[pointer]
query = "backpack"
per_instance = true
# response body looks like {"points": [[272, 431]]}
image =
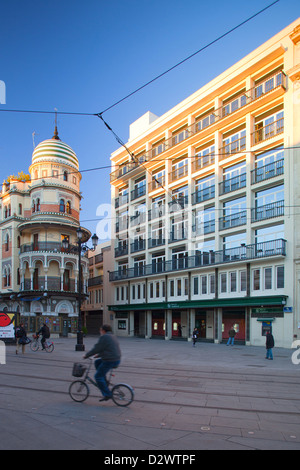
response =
{"points": [[47, 332], [19, 332]]}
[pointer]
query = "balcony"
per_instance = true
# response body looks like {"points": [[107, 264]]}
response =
{"points": [[275, 82], [267, 132], [121, 250], [95, 281], [55, 247], [266, 172], [232, 184], [233, 220], [138, 192], [138, 245], [154, 242], [268, 211], [242, 253], [230, 148], [203, 195]]}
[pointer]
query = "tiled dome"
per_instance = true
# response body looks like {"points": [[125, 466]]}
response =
{"points": [[55, 150]]}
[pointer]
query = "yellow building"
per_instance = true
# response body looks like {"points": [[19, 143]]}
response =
{"points": [[206, 227], [39, 276]]}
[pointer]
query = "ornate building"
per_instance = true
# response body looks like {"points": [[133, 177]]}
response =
{"points": [[39, 276]]}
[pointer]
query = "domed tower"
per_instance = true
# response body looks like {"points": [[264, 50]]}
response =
{"points": [[49, 272]]}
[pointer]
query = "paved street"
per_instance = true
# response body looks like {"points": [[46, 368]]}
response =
{"points": [[186, 398]]}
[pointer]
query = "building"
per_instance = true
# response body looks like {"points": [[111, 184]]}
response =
{"points": [[39, 276], [95, 308], [206, 227]]}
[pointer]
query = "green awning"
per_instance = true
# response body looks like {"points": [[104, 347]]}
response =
{"points": [[278, 300]]}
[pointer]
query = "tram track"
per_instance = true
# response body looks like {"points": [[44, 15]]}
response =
{"points": [[159, 373]]}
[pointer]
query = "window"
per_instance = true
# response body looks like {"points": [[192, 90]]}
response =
{"points": [[256, 279], [204, 285], [65, 176], [268, 278], [243, 280], [280, 277], [196, 286], [212, 283], [20, 209], [61, 205], [223, 283], [172, 288], [233, 283], [68, 207], [38, 205]]}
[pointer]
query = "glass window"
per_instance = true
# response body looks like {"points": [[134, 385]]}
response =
{"points": [[280, 277]]}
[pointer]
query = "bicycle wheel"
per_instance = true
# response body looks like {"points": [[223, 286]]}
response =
{"points": [[122, 394], [34, 345], [79, 391], [49, 347]]}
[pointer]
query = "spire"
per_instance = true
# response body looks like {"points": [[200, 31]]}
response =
{"points": [[55, 137]]}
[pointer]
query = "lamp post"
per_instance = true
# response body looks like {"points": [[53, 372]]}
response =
{"points": [[80, 346]]}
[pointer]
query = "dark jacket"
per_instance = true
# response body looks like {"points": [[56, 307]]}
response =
{"points": [[270, 343], [44, 331], [107, 348]]}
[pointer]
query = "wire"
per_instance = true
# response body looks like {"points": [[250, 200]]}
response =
{"points": [[188, 58], [150, 81]]}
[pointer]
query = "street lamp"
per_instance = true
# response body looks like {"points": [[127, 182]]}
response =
{"points": [[65, 243]]}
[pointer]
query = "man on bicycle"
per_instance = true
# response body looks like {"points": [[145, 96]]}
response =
{"points": [[45, 332], [109, 353]]}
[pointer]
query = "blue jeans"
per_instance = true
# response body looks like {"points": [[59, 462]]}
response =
{"points": [[230, 340], [269, 354], [103, 367]]}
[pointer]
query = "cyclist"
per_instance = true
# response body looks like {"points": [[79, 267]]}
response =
{"points": [[45, 332], [108, 351]]}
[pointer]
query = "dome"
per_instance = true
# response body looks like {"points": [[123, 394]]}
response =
{"points": [[56, 151]]}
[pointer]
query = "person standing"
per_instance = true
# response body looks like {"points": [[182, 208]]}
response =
{"points": [[231, 334], [195, 336], [21, 338], [270, 343], [108, 351]]}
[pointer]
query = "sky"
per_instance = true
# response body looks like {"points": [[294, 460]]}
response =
{"points": [[83, 57]]}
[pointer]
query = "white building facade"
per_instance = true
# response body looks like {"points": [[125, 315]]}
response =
{"points": [[206, 224]]}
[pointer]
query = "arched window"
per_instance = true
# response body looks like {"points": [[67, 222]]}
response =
{"points": [[5, 212], [65, 176], [33, 206], [7, 242], [68, 207], [20, 209], [61, 205], [38, 205]]}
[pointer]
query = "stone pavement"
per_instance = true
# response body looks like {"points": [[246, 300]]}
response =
{"points": [[210, 397]]}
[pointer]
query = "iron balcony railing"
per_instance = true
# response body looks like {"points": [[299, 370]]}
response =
{"points": [[268, 171], [268, 211], [278, 80], [204, 259]]}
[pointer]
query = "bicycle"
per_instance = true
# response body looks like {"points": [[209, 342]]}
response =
{"points": [[122, 394], [36, 343]]}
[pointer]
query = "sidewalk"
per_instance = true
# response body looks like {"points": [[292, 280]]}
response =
{"points": [[187, 398]]}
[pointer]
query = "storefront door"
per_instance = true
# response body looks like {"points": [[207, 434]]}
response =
{"points": [[235, 320], [158, 324]]}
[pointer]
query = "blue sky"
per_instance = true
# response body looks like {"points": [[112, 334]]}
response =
{"points": [[84, 56]]}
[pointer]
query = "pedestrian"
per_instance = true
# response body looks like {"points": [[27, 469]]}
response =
{"points": [[270, 343], [195, 336], [21, 338], [231, 334], [108, 351]]}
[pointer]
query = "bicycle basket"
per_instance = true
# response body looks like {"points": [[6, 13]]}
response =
{"points": [[78, 370]]}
